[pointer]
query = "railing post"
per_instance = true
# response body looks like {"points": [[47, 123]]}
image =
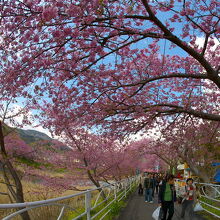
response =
{"points": [[88, 205], [125, 188], [61, 213], [115, 191], [130, 184]]}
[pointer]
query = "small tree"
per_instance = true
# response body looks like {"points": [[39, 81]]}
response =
{"points": [[9, 173]]}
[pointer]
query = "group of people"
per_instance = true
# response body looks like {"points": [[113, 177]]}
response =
{"points": [[151, 186], [165, 189]]}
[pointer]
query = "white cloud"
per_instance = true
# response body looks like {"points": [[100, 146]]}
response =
{"points": [[38, 128], [200, 42], [153, 133]]}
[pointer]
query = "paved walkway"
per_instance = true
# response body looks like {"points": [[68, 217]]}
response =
{"points": [[137, 209]]}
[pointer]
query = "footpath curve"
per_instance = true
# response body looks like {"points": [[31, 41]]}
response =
{"points": [[137, 209]]}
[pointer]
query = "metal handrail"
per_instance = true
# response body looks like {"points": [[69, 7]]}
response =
{"points": [[215, 187], [214, 207], [33, 207], [116, 187]]}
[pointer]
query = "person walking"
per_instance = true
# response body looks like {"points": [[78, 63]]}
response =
{"points": [[149, 186], [140, 186], [154, 179], [188, 199], [167, 196], [157, 184]]}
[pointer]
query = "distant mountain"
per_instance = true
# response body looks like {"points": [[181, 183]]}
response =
{"points": [[33, 136], [30, 136]]}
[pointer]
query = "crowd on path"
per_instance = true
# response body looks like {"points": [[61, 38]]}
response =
{"points": [[165, 189]]}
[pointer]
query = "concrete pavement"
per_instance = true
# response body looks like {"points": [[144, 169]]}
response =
{"points": [[137, 209]]}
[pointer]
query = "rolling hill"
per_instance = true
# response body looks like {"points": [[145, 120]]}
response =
{"points": [[30, 136]]}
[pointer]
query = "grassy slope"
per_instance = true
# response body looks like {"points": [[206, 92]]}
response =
{"points": [[215, 211]]}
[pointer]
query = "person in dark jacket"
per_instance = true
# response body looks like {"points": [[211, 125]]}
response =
{"points": [[140, 189], [154, 179], [156, 184], [149, 186], [167, 196]]}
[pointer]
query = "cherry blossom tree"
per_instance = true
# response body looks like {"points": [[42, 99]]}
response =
{"points": [[155, 152], [119, 64], [104, 61], [14, 111], [16, 147], [11, 146], [196, 143], [100, 158], [188, 140], [152, 163], [11, 175]]}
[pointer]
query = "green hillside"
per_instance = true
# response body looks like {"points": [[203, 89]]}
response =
{"points": [[30, 136]]}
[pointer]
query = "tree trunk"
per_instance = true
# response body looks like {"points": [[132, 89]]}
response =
{"points": [[199, 172], [16, 193], [96, 183]]}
